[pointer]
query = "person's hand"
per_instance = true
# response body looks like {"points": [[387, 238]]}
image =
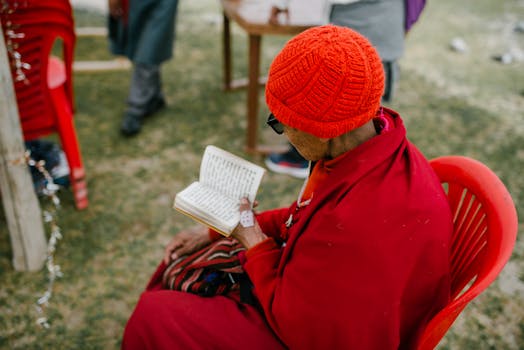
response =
{"points": [[115, 8], [248, 231], [186, 242], [275, 12]]}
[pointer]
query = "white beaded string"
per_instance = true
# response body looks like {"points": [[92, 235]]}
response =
{"points": [[50, 218], [11, 36]]}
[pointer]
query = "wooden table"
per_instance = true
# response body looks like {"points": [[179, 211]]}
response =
{"points": [[252, 16]]}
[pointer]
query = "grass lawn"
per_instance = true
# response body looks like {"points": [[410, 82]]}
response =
{"points": [[452, 103]]}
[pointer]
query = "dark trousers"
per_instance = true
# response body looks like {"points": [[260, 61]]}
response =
{"points": [[145, 89]]}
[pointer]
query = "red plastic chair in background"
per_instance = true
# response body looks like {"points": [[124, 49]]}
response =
{"points": [[485, 231], [43, 83]]}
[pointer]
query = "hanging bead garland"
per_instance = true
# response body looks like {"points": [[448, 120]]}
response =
{"points": [[50, 219], [11, 36]]}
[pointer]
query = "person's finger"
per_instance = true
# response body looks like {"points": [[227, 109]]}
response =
{"points": [[170, 249], [167, 256], [173, 256], [180, 251], [244, 204]]}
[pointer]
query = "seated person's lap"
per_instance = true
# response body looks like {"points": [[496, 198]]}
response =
{"points": [[171, 319]]}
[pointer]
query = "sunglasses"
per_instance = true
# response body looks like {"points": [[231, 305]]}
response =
{"points": [[275, 124]]}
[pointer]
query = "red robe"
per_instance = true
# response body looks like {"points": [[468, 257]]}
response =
{"points": [[365, 265]]}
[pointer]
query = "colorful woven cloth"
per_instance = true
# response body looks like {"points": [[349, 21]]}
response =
{"points": [[213, 270]]}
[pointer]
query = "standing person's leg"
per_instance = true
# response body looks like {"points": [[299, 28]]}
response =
{"points": [[382, 22], [145, 97], [152, 36], [391, 73]]}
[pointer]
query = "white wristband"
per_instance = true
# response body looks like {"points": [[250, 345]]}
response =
{"points": [[247, 219]]}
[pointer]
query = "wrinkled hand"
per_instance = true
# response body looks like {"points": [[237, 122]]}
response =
{"points": [[186, 242], [248, 236], [115, 8], [273, 15]]}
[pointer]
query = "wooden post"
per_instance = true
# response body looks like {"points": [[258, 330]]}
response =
{"points": [[22, 209], [252, 92]]}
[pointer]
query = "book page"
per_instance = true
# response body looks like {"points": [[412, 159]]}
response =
{"points": [[208, 203], [215, 199], [230, 175]]}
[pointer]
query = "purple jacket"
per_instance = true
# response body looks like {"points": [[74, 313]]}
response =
{"points": [[413, 10]]}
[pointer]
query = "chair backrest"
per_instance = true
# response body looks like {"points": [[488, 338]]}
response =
{"points": [[485, 230], [34, 27]]}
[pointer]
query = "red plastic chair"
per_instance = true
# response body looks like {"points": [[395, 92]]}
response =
{"points": [[485, 230], [45, 98]]}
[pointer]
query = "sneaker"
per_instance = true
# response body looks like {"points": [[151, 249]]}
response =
{"points": [[55, 163], [60, 172], [289, 163]]}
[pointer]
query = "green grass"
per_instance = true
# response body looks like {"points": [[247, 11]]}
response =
{"points": [[451, 103]]}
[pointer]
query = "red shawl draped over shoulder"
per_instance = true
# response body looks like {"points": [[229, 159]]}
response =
{"points": [[367, 261]]}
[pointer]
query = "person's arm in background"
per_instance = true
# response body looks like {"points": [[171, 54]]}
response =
{"points": [[115, 8]]}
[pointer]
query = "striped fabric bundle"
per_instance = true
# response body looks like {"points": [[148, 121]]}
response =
{"points": [[213, 270]]}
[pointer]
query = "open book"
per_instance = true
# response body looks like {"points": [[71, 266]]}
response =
{"points": [[214, 199]]}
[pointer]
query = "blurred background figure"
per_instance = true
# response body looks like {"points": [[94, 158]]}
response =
{"points": [[384, 22], [144, 31]]}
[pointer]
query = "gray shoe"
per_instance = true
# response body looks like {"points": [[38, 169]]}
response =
{"points": [[155, 106], [131, 124]]}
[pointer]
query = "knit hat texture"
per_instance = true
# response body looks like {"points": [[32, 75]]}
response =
{"points": [[326, 81]]}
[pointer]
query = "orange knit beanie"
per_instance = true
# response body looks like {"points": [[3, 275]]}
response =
{"points": [[326, 81]]}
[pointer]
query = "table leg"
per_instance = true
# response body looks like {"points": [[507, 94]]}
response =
{"points": [[226, 46], [252, 92]]}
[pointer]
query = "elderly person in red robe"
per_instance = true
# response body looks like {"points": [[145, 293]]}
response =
{"points": [[359, 261]]}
